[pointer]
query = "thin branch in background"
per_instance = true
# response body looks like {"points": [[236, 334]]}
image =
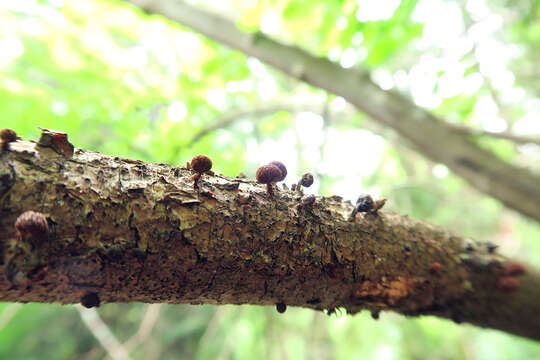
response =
{"points": [[259, 110], [227, 348], [226, 120], [9, 313], [520, 140], [150, 318], [102, 333], [232, 117], [145, 328], [213, 325], [93, 353]]}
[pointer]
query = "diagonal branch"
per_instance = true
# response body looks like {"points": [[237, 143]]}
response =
{"points": [[517, 139], [516, 187], [122, 230], [8, 314], [102, 333], [150, 318], [259, 110], [229, 118]]}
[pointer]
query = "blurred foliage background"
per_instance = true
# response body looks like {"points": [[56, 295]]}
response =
{"points": [[123, 83]]}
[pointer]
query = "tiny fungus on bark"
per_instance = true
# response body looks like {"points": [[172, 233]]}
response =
{"points": [[200, 164], [366, 204], [7, 136], [435, 267], [281, 307], [32, 226], [508, 284], [513, 269], [282, 168], [306, 180], [90, 300], [269, 174]]}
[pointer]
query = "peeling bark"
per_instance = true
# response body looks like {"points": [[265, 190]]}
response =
{"points": [[129, 231]]}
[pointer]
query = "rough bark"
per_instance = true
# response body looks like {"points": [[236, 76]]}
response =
{"points": [[123, 230], [516, 187]]}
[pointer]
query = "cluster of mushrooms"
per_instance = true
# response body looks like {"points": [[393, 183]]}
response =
{"points": [[276, 171], [268, 174]]}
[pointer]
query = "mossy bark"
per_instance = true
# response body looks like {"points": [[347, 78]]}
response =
{"points": [[133, 231]]}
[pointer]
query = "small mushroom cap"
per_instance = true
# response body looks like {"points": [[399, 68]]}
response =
{"points": [[307, 180], [364, 203], [8, 135], [508, 284], [435, 267], [201, 163], [282, 168], [514, 270], [267, 174], [32, 223], [90, 300]]}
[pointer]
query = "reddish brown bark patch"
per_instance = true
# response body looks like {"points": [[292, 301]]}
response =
{"points": [[56, 140]]}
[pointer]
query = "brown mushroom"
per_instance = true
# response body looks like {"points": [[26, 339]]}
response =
{"points": [[268, 174], [200, 164]]}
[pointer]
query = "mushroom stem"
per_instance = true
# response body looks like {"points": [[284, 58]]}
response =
{"points": [[196, 178], [269, 189], [299, 187]]}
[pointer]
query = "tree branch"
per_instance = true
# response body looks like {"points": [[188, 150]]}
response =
{"points": [[102, 333], [229, 118], [150, 318], [259, 110], [8, 314], [123, 230], [516, 187], [517, 139]]}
